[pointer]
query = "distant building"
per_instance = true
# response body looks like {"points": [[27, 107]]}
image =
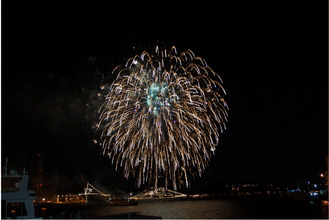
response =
{"points": [[254, 189], [39, 180], [326, 173]]}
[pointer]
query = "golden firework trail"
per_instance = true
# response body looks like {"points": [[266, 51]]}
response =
{"points": [[163, 116]]}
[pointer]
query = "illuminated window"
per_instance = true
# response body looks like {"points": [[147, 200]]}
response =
{"points": [[16, 209]]}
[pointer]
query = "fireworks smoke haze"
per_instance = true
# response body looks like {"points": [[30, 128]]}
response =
{"points": [[163, 116]]}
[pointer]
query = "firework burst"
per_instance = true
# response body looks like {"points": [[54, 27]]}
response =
{"points": [[163, 116]]}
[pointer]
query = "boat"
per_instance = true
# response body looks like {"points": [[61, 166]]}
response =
{"points": [[16, 199], [123, 202], [94, 196], [160, 194]]}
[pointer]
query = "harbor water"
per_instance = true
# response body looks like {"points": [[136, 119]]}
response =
{"points": [[196, 209]]}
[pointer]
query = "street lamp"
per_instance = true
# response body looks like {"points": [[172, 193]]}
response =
{"points": [[322, 176]]}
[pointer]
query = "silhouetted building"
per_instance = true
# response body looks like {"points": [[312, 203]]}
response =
{"points": [[39, 181], [326, 173]]}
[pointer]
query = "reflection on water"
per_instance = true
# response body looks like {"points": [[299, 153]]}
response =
{"points": [[192, 209]]}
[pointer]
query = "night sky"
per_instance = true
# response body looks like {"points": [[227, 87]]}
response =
{"points": [[272, 58]]}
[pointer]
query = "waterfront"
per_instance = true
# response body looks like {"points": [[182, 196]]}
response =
{"points": [[196, 209]]}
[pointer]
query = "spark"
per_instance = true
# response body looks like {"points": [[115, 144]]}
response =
{"points": [[163, 116]]}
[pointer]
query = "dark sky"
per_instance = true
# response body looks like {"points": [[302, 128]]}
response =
{"points": [[272, 58]]}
